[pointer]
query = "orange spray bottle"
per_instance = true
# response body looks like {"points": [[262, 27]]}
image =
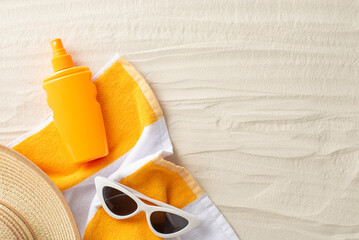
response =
{"points": [[77, 115]]}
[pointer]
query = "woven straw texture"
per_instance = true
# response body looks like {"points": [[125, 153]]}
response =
{"points": [[31, 206]]}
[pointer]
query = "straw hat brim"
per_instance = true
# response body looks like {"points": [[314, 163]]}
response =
{"points": [[31, 206]]}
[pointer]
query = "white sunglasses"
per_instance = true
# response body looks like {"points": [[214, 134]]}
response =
{"points": [[122, 202]]}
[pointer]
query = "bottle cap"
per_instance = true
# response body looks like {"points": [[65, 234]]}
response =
{"points": [[61, 59]]}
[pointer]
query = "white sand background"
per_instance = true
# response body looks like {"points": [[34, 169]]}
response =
{"points": [[261, 97]]}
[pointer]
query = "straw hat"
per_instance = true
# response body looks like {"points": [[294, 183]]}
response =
{"points": [[31, 206]]}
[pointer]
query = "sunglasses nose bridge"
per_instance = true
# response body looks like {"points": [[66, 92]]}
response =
{"points": [[147, 208]]}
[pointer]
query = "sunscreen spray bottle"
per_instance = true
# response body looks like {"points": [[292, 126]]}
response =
{"points": [[77, 115]]}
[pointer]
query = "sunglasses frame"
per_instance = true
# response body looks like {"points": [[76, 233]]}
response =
{"points": [[102, 182]]}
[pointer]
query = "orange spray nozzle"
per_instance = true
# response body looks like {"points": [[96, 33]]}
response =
{"points": [[61, 59]]}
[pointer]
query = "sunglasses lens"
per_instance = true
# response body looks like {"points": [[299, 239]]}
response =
{"points": [[118, 202], [166, 223]]}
